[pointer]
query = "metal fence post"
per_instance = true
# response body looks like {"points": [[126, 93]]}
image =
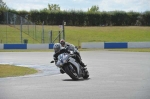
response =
{"points": [[35, 30], [63, 30], [6, 26], [21, 29], [43, 32], [59, 36], [50, 36], [28, 26]]}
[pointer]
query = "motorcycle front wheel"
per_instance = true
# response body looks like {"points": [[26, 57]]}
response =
{"points": [[71, 71]]}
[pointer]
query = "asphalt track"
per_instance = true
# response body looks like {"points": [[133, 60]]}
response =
{"points": [[113, 75]]}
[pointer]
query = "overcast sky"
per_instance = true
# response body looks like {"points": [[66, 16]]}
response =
{"points": [[104, 5]]}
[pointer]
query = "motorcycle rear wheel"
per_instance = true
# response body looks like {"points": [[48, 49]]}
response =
{"points": [[86, 76]]}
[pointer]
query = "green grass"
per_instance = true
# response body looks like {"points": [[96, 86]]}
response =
{"points": [[77, 35], [12, 71], [10, 34]]}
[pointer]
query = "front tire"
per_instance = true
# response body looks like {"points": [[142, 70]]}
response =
{"points": [[71, 73]]}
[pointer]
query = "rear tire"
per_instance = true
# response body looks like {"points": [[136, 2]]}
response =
{"points": [[70, 73]]}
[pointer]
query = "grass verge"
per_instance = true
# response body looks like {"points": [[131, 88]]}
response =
{"points": [[77, 35], [12, 71]]}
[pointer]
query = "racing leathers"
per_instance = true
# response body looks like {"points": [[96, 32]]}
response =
{"points": [[71, 47]]}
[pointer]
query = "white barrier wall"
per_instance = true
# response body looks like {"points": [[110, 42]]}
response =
{"points": [[37, 46], [106, 45], [92, 45], [103, 45], [138, 44], [1, 46]]}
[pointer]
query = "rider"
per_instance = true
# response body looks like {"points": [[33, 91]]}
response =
{"points": [[74, 49], [58, 49]]}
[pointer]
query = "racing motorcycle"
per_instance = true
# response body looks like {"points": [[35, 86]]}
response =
{"points": [[70, 66]]}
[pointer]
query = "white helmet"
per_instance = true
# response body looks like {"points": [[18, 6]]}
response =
{"points": [[57, 47]]}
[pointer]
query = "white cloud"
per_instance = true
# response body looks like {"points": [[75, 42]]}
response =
{"points": [[26, 4], [124, 5], [77, 0], [104, 5]]}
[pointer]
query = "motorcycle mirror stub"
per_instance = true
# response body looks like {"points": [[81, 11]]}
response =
{"points": [[71, 52], [52, 62]]}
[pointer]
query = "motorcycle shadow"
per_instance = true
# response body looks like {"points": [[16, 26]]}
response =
{"points": [[76, 80]]}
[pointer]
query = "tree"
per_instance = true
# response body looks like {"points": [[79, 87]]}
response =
{"points": [[146, 18], [94, 8], [3, 6], [53, 7]]}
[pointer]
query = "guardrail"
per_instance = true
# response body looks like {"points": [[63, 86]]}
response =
{"points": [[88, 45], [111, 45], [26, 46]]}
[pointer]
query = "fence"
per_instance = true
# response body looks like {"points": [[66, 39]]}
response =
{"points": [[18, 29]]}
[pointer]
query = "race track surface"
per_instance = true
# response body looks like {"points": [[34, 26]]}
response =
{"points": [[113, 75]]}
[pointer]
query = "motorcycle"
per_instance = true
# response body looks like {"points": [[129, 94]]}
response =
{"points": [[70, 66]]}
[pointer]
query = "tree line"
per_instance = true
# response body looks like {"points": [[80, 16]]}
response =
{"points": [[93, 17]]}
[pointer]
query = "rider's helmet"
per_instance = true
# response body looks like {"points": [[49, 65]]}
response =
{"points": [[62, 42], [57, 47]]}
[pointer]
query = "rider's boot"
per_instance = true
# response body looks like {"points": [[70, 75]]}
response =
{"points": [[82, 64], [80, 61]]}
